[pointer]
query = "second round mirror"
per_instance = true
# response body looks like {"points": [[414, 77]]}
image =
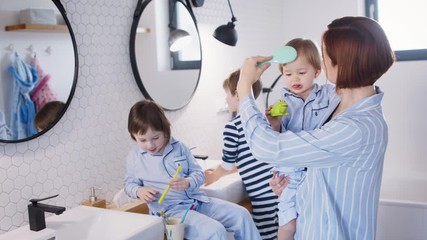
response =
{"points": [[169, 78]]}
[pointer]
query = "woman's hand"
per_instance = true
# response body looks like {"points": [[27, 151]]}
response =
{"points": [[146, 194], [179, 183], [278, 183], [250, 72]]}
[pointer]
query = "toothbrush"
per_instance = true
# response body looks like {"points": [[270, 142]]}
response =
{"points": [[168, 187], [185, 214], [163, 214]]}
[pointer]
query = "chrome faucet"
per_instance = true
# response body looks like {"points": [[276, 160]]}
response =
{"points": [[36, 212]]}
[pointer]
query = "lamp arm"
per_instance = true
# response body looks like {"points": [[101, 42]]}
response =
{"points": [[233, 18], [171, 24], [270, 89]]}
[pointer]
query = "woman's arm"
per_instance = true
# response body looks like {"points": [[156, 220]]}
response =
{"points": [[322, 147]]}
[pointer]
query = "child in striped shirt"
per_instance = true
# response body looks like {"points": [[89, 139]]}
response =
{"points": [[255, 174]]}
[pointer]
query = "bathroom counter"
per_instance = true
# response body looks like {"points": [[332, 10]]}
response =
{"points": [[83, 222], [229, 187]]}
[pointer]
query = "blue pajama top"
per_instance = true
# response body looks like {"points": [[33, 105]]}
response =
{"points": [[340, 195], [307, 115], [156, 170]]}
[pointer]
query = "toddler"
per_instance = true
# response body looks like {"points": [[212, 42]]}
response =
{"points": [[307, 104]]}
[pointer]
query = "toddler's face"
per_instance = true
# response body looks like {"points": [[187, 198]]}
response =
{"points": [[299, 76], [151, 141]]}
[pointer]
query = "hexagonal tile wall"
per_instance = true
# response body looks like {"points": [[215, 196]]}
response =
{"points": [[89, 144]]}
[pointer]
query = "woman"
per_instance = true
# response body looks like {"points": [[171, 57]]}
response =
{"points": [[344, 157]]}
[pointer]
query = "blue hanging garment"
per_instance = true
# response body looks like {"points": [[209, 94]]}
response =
{"points": [[5, 133], [21, 106]]}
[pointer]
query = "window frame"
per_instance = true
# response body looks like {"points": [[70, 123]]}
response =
{"points": [[176, 62], [401, 55]]}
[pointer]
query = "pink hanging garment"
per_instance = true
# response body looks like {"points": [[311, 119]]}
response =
{"points": [[42, 93]]}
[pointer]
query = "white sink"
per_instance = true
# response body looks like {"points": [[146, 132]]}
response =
{"points": [[89, 223]]}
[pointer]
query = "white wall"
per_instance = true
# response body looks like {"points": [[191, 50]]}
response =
{"points": [[88, 146]]}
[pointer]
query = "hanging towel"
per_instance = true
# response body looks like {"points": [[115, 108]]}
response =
{"points": [[42, 93], [22, 107], [5, 133]]}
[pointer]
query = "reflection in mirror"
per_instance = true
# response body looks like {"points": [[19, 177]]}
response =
{"points": [[168, 78], [38, 64]]}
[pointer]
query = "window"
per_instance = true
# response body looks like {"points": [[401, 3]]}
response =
{"points": [[189, 57], [404, 23]]}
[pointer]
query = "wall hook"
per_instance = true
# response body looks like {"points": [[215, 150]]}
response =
{"points": [[48, 50], [11, 47], [30, 48]]}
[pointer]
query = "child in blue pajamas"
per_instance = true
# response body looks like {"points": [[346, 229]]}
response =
{"points": [[150, 169], [307, 104]]}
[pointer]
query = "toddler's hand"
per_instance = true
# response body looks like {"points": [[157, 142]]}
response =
{"points": [[275, 122], [179, 183], [278, 183], [146, 194]]}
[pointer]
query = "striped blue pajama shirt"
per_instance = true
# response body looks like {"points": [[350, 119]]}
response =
{"points": [[340, 195]]}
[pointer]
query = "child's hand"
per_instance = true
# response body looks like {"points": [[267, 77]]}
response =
{"points": [[278, 183], [146, 194], [275, 122], [209, 177], [179, 183]]}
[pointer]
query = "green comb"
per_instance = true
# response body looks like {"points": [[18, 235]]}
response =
{"points": [[282, 55]]}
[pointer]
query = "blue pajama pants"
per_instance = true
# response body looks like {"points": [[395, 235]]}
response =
{"points": [[214, 219]]}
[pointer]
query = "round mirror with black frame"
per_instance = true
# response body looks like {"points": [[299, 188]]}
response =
{"points": [[38, 67], [169, 77]]}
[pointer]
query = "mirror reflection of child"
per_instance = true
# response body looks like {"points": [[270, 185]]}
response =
{"points": [[151, 167], [255, 174], [48, 114], [307, 104]]}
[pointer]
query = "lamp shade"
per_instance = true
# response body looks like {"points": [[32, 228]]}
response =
{"points": [[178, 39], [226, 34]]}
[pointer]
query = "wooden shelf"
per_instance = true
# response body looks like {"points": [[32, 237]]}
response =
{"points": [[36, 27]]}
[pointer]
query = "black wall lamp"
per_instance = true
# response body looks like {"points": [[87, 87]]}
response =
{"points": [[178, 38], [226, 33]]}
